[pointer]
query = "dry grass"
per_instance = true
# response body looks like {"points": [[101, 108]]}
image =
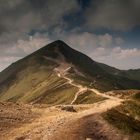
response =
{"points": [[89, 98], [14, 115], [126, 117]]}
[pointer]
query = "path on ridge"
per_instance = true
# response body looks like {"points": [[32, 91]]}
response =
{"points": [[53, 119], [82, 89]]}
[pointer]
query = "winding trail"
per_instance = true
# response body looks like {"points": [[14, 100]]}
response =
{"points": [[83, 89], [53, 118], [61, 72]]}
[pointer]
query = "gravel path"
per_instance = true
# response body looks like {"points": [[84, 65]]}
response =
{"points": [[54, 119]]}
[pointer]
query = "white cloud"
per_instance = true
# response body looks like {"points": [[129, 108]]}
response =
{"points": [[106, 49], [26, 46], [89, 42], [21, 48], [119, 40], [126, 53], [103, 48], [119, 57], [6, 61], [105, 40]]}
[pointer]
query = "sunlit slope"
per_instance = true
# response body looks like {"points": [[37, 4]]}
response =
{"points": [[33, 78], [126, 117], [39, 85]]}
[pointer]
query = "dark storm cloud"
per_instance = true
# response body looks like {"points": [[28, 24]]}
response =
{"points": [[19, 17], [27, 25], [114, 14]]}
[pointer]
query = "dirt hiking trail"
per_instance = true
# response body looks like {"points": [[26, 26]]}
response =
{"points": [[54, 123], [53, 120]]}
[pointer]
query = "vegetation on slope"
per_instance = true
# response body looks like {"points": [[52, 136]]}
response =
{"points": [[89, 98], [36, 82], [60, 95], [104, 80], [133, 74], [137, 96], [41, 86], [124, 94], [126, 117], [32, 78]]}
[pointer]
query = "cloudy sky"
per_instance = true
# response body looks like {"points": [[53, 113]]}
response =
{"points": [[106, 30]]}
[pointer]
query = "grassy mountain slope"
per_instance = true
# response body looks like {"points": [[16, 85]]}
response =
{"points": [[37, 83], [32, 79], [92, 70], [133, 74], [126, 117]]}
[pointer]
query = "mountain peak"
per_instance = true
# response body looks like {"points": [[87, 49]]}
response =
{"points": [[59, 41], [57, 53], [56, 43]]}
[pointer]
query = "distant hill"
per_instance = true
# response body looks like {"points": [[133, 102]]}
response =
{"points": [[33, 78], [133, 74]]}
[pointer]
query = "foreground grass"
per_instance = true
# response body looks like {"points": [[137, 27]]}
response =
{"points": [[126, 118], [137, 96]]}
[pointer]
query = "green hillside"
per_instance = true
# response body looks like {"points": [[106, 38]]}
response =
{"points": [[126, 117], [32, 79], [133, 74]]}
